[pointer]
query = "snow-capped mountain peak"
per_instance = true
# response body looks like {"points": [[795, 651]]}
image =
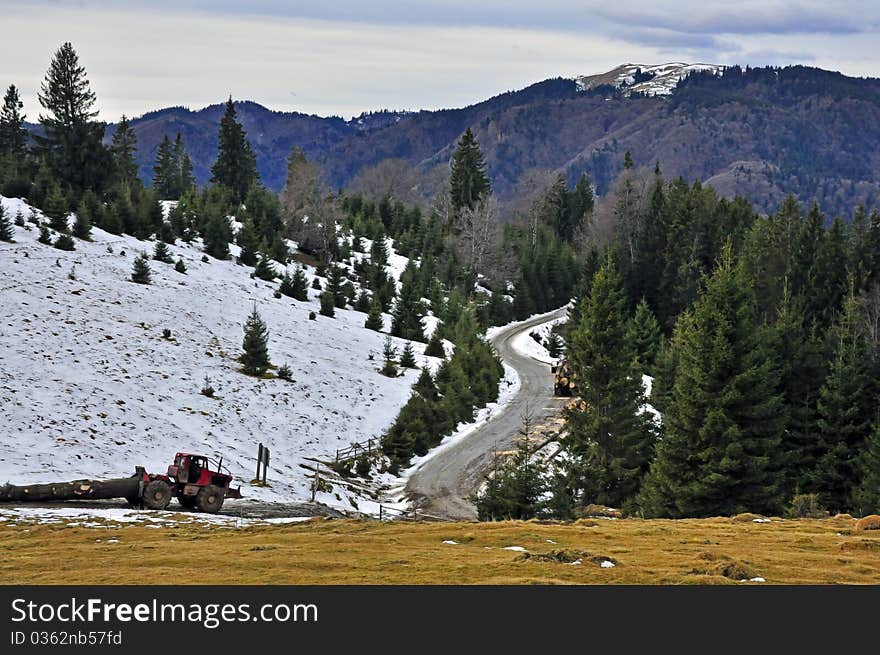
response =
{"points": [[650, 79]]}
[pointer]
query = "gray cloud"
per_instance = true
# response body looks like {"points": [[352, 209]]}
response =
{"points": [[347, 56]]}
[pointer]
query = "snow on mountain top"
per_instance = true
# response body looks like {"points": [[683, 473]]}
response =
{"points": [[653, 80], [91, 388]]}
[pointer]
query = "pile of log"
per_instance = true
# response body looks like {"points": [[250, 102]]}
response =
{"points": [[563, 379]]}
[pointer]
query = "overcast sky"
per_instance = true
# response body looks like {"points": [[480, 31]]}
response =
{"points": [[341, 57]]}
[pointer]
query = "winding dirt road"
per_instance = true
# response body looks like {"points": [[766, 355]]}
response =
{"points": [[442, 484]]}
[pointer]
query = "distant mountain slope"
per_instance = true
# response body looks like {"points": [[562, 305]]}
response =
{"points": [[761, 132]]}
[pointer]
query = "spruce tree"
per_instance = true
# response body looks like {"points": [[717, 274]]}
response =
{"points": [[236, 165], [610, 440], [374, 318], [389, 359], [140, 272], [72, 139], [183, 168], [335, 282], [13, 134], [286, 286], [328, 305], [515, 490], [723, 424], [468, 180], [163, 171], [554, 345], [867, 500], [300, 286], [64, 242], [180, 267], [407, 357], [255, 358], [7, 233], [161, 253], [45, 235], [645, 335], [217, 235], [123, 148], [363, 302], [265, 269], [425, 386], [249, 242], [82, 224], [56, 209], [406, 318], [847, 404], [435, 346]]}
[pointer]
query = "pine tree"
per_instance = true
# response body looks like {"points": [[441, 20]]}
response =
{"points": [[45, 235], [610, 440], [13, 134], [389, 359], [374, 318], [123, 148], [407, 357], [236, 165], [435, 346], [7, 233], [723, 424], [468, 180], [644, 332], [328, 305], [140, 272], [161, 253], [255, 358], [554, 345], [300, 286], [82, 224], [180, 267], [847, 403], [163, 171], [72, 140]]}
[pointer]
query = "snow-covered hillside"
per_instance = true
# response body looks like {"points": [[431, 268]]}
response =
{"points": [[663, 77], [89, 386]]}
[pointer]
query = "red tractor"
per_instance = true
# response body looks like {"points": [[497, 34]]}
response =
{"points": [[195, 480]]}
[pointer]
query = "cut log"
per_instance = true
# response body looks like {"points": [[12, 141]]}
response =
{"points": [[74, 490]]}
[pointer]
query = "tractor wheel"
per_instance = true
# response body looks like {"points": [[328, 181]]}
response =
{"points": [[157, 495], [210, 499], [186, 501]]}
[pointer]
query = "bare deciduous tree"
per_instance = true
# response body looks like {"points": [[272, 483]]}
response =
{"points": [[478, 234]]}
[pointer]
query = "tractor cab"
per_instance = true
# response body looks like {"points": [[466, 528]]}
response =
{"points": [[190, 469]]}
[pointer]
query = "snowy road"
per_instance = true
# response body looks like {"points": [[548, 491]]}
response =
{"points": [[443, 483]]}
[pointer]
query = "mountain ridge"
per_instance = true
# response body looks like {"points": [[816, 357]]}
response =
{"points": [[762, 132]]}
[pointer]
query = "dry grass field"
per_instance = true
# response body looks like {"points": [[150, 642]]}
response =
{"points": [[321, 551]]}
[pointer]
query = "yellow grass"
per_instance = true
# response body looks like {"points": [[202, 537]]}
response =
{"points": [[815, 551]]}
